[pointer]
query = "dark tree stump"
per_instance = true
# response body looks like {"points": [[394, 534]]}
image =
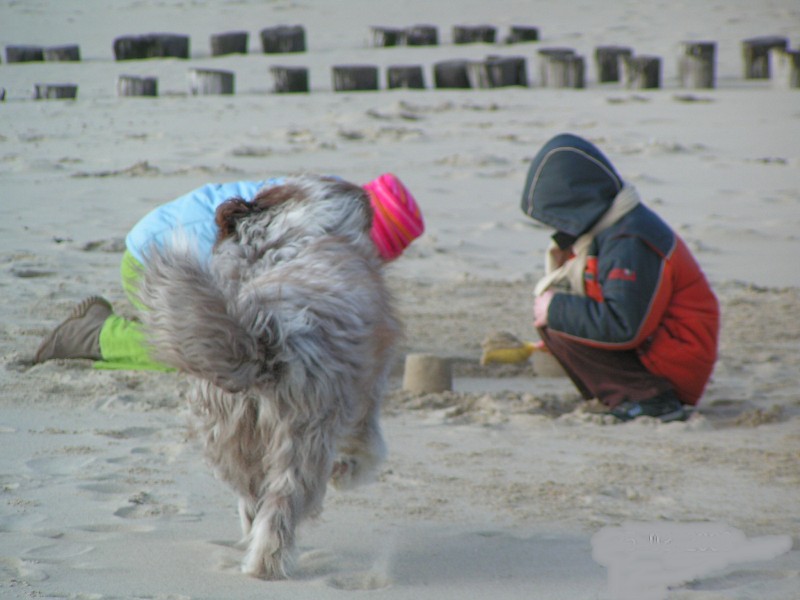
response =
{"points": [[498, 71], [283, 39], [756, 55], [151, 45], [451, 74], [355, 78], [405, 76], [55, 91], [230, 42], [62, 53], [18, 54], [468, 34], [290, 80], [521, 34], [2, 94], [422, 35], [130, 85], [204, 82], [385, 37], [784, 68], [641, 72], [607, 59], [696, 64]]}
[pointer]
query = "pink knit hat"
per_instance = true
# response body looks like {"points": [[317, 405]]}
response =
{"points": [[396, 220]]}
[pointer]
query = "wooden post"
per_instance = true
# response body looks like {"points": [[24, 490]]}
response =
{"points": [[290, 80], [498, 71], [451, 74], [283, 39], [131, 85], [355, 78], [520, 34], [696, 64], [545, 54], [467, 34], [422, 35], [641, 72], [784, 68], [18, 54], [55, 91], [230, 42], [62, 53], [756, 53], [152, 45], [607, 59], [405, 76], [562, 68], [2, 94], [204, 82], [385, 37]]}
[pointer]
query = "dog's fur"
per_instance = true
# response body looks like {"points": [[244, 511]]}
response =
{"points": [[287, 334]]}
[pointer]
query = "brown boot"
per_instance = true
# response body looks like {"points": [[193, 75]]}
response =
{"points": [[79, 335]]}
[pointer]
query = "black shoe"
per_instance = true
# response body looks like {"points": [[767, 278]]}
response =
{"points": [[665, 408]]}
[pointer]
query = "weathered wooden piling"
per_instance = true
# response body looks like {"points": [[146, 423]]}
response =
{"points": [[203, 82], [151, 45], [498, 71], [696, 65], [71, 53], [18, 54], [283, 39], [607, 60], [405, 76], [355, 78], [756, 51], [784, 68], [474, 34], [519, 34], [561, 68], [290, 80], [451, 74], [641, 72], [133, 85], [422, 35], [385, 37], [229, 42], [55, 91]]}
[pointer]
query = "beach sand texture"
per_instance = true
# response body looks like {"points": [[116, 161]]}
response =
{"points": [[503, 487]]}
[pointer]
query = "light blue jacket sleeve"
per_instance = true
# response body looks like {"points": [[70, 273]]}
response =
{"points": [[192, 214]]}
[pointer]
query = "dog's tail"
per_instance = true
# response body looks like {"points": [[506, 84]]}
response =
{"points": [[191, 326]]}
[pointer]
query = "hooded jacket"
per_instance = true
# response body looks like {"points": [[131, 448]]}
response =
{"points": [[644, 290]]}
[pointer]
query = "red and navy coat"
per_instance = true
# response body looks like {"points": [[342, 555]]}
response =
{"points": [[644, 290]]}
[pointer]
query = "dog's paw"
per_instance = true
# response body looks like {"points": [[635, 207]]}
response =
{"points": [[271, 568], [343, 475]]}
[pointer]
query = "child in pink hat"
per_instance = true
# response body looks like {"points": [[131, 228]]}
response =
{"points": [[95, 332]]}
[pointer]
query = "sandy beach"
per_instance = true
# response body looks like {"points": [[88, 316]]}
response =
{"points": [[509, 486]]}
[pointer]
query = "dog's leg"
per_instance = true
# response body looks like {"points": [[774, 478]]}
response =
{"points": [[299, 466], [247, 511], [361, 453]]}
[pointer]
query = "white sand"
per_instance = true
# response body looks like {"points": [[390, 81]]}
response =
{"points": [[494, 491]]}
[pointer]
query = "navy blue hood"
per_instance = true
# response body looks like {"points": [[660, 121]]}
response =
{"points": [[570, 185]]}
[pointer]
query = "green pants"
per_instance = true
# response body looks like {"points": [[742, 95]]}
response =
{"points": [[122, 342]]}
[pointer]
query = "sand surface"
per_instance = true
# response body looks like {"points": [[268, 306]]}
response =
{"points": [[507, 487]]}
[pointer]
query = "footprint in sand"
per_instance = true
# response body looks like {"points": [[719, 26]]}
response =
{"points": [[57, 552], [60, 465], [366, 580]]}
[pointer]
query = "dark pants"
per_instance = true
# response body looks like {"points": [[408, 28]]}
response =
{"points": [[610, 376]]}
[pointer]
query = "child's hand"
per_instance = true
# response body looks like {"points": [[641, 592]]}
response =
{"points": [[540, 306]]}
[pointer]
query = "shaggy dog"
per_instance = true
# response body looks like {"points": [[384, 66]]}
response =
{"points": [[287, 334]]}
